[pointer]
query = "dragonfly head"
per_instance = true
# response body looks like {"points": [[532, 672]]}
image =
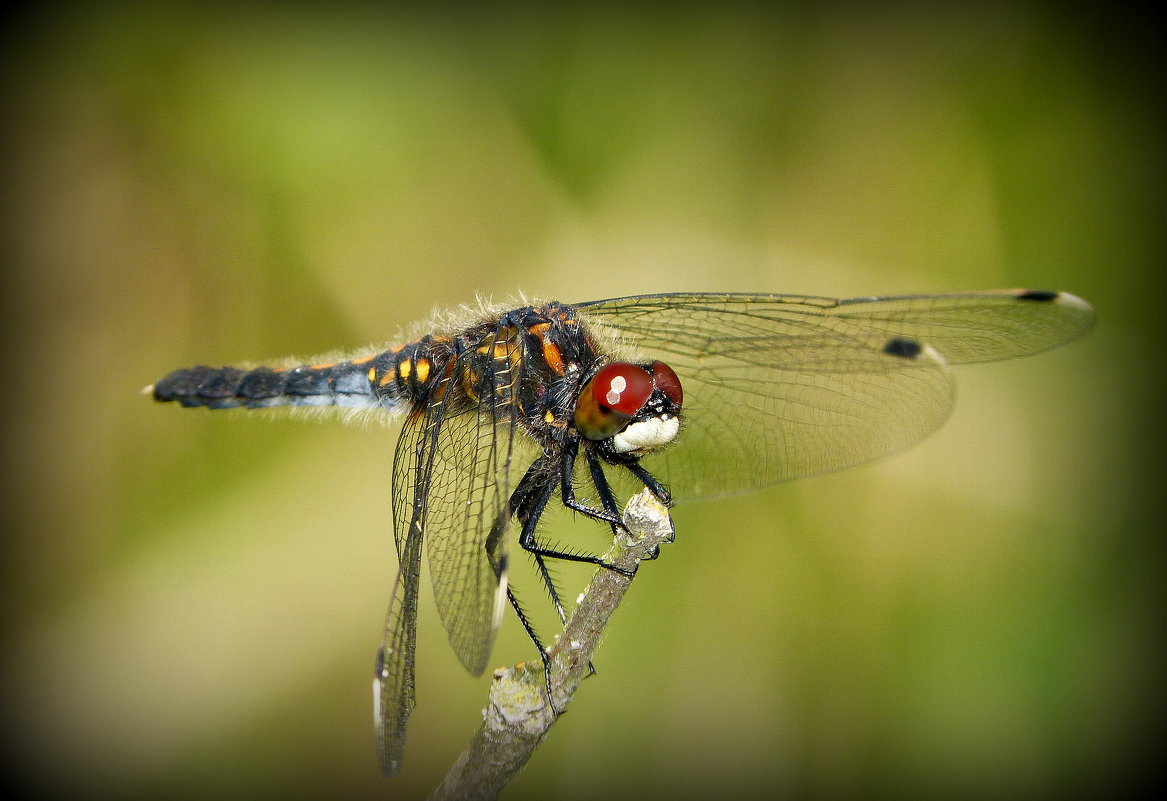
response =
{"points": [[636, 406]]}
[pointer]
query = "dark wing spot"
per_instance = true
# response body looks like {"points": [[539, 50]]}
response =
{"points": [[1039, 295], [903, 347]]}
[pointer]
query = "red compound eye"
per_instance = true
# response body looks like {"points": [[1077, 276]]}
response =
{"points": [[664, 379], [621, 387], [610, 399]]}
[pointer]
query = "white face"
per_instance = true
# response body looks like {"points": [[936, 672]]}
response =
{"points": [[646, 435]]}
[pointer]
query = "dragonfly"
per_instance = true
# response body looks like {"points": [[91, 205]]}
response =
{"points": [[691, 395]]}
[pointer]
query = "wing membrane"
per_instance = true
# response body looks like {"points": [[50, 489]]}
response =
{"points": [[779, 387], [393, 677], [452, 477], [468, 496], [977, 326]]}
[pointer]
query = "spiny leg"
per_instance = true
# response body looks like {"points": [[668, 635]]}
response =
{"points": [[527, 503], [604, 489], [529, 627], [610, 514], [498, 560], [530, 522], [537, 496], [649, 480]]}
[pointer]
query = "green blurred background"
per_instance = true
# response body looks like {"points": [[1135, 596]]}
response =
{"points": [[192, 600]]}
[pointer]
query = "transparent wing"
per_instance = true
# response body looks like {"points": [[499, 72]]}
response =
{"points": [[976, 326], [452, 478], [779, 387], [393, 676], [468, 519]]}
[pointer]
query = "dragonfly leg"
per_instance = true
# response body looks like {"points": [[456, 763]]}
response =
{"points": [[530, 498], [649, 480], [603, 488], [610, 514], [543, 654], [528, 501], [552, 590]]}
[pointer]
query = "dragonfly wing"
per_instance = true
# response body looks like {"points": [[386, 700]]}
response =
{"points": [[393, 676], [468, 519], [452, 478], [778, 387], [977, 326], [471, 452]]}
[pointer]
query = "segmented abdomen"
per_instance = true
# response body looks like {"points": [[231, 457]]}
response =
{"points": [[341, 384], [394, 379]]}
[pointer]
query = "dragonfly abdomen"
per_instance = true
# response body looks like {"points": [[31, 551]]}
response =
{"points": [[340, 384]]}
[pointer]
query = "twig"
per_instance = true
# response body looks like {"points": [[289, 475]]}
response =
{"points": [[517, 716]]}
